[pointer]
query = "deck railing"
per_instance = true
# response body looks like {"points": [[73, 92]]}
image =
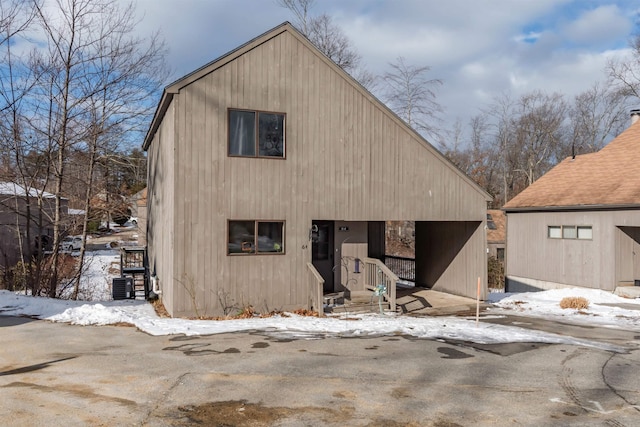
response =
{"points": [[405, 268], [378, 278], [316, 283]]}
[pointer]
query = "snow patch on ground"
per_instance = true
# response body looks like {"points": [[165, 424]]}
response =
{"points": [[605, 309]]}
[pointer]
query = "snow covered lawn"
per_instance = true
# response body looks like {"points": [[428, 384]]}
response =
{"points": [[605, 309]]}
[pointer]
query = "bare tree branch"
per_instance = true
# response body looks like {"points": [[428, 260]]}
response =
{"points": [[412, 96]]}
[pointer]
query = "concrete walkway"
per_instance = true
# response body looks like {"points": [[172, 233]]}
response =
{"points": [[423, 301]]}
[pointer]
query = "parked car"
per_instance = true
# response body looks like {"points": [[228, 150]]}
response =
{"points": [[133, 220], [71, 243]]}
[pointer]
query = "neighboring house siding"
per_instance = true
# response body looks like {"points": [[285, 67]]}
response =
{"points": [[16, 244], [602, 262], [161, 206], [347, 158]]}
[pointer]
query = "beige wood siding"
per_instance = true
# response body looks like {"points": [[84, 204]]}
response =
{"points": [[347, 158], [161, 199], [598, 263]]}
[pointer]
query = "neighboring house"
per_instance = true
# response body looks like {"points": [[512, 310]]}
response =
{"points": [[579, 224], [26, 222], [271, 167], [496, 234]]}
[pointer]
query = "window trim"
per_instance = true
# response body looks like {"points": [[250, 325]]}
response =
{"points": [[256, 126], [584, 227], [554, 227], [256, 222]]}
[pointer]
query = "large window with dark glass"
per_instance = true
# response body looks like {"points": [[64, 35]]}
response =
{"points": [[255, 237], [256, 134]]}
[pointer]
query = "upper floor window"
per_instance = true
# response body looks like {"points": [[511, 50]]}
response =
{"points": [[256, 134]]}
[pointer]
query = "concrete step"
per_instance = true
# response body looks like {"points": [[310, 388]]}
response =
{"points": [[628, 291]]}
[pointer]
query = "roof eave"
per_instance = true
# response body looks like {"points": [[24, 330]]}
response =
{"points": [[595, 207]]}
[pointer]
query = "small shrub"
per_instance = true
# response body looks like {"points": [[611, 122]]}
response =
{"points": [[305, 312], [246, 313], [579, 303], [158, 306], [495, 273]]}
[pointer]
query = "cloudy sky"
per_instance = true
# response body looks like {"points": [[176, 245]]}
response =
{"points": [[480, 48]]}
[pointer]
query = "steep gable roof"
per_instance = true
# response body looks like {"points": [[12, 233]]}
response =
{"points": [[175, 87], [608, 178]]}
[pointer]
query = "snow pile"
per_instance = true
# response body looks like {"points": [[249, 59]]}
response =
{"points": [[604, 308]]}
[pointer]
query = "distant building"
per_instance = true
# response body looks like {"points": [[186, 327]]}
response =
{"points": [[26, 222], [579, 224], [496, 233]]}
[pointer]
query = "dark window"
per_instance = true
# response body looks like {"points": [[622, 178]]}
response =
{"points": [[500, 254], [256, 134], [243, 238]]}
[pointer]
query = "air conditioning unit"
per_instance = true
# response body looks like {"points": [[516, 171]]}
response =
{"points": [[122, 288]]}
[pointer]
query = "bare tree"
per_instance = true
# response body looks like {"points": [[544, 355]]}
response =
{"points": [[538, 132], [24, 170], [300, 10], [412, 95], [624, 74], [330, 39], [98, 77], [478, 157], [597, 115]]}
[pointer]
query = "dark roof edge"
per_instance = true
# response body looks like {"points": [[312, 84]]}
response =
{"points": [[574, 208]]}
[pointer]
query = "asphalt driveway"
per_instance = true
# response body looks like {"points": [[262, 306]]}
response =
{"points": [[63, 375]]}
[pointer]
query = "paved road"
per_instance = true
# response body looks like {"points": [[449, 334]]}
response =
{"points": [[63, 375]]}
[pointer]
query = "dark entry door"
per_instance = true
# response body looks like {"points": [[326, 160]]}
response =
{"points": [[322, 251]]}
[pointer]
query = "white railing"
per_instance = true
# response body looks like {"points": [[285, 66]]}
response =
{"points": [[316, 284], [378, 278]]}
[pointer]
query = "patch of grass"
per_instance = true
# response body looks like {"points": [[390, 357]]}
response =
{"points": [[159, 308], [305, 312], [578, 303]]}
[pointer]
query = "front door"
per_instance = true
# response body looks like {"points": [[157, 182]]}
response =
{"points": [[322, 251]]}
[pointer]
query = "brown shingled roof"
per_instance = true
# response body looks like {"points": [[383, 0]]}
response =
{"points": [[499, 234], [609, 177]]}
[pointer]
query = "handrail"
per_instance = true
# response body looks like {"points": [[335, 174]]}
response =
{"points": [[316, 288], [376, 273], [403, 267]]}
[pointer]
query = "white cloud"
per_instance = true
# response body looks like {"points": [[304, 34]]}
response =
{"points": [[599, 26], [479, 48]]}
